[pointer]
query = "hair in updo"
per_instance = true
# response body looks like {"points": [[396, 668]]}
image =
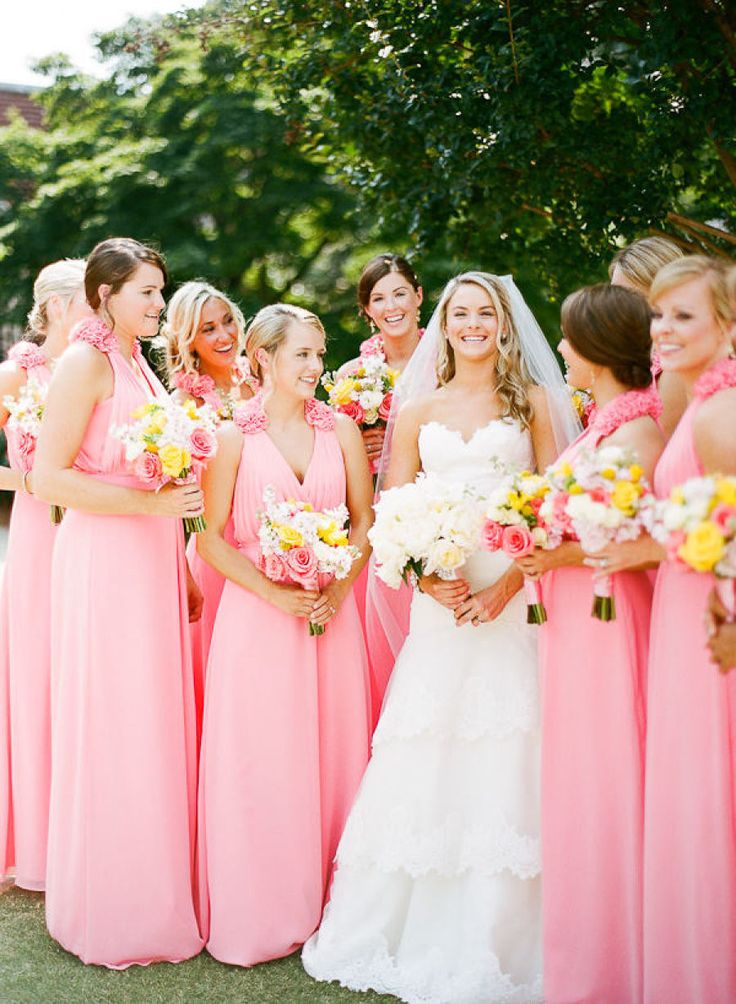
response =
{"points": [[377, 268], [641, 260], [61, 278], [697, 266], [183, 317], [269, 329], [609, 326], [112, 262]]}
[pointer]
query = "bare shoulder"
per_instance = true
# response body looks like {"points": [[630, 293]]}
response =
{"points": [[12, 377], [423, 408], [84, 360], [720, 407], [347, 431], [229, 438], [638, 430]]}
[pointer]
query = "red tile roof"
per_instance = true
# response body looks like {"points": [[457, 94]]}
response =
{"points": [[21, 99]]}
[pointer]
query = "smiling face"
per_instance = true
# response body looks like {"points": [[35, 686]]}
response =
{"points": [[215, 342], [137, 306], [393, 305], [472, 323], [298, 362], [685, 330]]}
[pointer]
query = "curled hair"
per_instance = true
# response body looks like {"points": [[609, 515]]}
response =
{"points": [[609, 326], [183, 317], [511, 374], [377, 268], [61, 278], [112, 262], [641, 260], [269, 328], [697, 266]]}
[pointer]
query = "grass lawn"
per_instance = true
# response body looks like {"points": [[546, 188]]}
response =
{"points": [[35, 970]]}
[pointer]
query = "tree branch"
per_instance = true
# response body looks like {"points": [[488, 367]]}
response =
{"points": [[687, 223]]}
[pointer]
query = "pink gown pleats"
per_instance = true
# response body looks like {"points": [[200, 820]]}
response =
{"points": [[285, 737], [690, 817], [121, 881], [593, 681], [25, 742]]}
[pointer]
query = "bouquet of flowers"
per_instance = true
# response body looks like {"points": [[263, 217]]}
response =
{"points": [[583, 403], [514, 525], [697, 525], [298, 543], [365, 393], [598, 499], [426, 526], [167, 441], [25, 414]]}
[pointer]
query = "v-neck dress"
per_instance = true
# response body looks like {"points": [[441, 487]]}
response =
{"points": [[285, 734]]}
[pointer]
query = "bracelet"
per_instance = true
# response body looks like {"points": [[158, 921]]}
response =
{"points": [[24, 482]]}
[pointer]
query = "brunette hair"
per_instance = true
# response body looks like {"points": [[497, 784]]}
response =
{"points": [[183, 316], [112, 262], [269, 328], [641, 260], [377, 268], [609, 325], [512, 378], [61, 278], [696, 266]]}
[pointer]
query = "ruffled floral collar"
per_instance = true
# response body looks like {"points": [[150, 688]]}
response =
{"points": [[200, 385], [625, 408], [250, 417], [96, 333], [27, 355], [720, 376], [373, 346]]}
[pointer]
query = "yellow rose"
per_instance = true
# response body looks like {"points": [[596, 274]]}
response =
{"points": [[156, 426], [393, 375], [174, 460], [333, 536], [608, 473], [703, 547], [329, 387], [624, 496], [635, 472], [575, 489], [726, 491], [343, 392], [289, 537]]}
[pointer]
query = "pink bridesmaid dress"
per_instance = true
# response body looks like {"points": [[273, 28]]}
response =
{"points": [[286, 727], [121, 880], [25, 656], [593, 683], [690, 817]]}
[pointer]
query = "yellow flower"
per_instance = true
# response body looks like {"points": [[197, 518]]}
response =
{"points": [[308, 507], [635, 472], [143, 410], [726, 491], [393, 375], [565, 470], [289, 537], [575, 489], [156, 426], [174, 460], [677, 496], [191, 409], [703, 547], [343, 392], [360, 372], [333, 535], [624, 496], [608, 473], [329, 387]]}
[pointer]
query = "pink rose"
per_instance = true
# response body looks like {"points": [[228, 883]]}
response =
{"points": [[724, 517], [148, 468], [491, 535], [302, 565], [26, 445], [203, 444], [273, 567], [319, 415], [674, 542], [517, 541], [353, 410], [384, 409]]}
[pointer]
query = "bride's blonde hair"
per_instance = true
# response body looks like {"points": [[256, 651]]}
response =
{"points": [[512, 376]]}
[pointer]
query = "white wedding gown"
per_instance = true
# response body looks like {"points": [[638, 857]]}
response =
{"points": [[436, 896]]}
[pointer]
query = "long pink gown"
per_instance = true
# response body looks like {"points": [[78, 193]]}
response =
{"points": [[690, 817], [593, 680], [121, 880], [286, 728], [25, 655]]}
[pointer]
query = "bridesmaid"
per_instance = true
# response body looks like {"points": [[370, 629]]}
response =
{"points": [[389, 297], [634, 267], [286, 725], [204, 332], [689, 846], [593, 713], [25, 767], [120, 879]]}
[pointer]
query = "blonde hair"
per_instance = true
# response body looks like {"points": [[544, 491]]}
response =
{"points": [[183, 317], [641, 260], [269, 328], [512, 376], [62, 278], [697, 266]]}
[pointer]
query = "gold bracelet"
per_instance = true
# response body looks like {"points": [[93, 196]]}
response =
{"points": [[24, 482]]}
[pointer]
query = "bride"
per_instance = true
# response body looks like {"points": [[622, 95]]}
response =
{"points": [[436, 896]]}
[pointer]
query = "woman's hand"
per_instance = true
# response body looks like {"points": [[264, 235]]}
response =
{"points": [[177, 500], [373, 437], [447, 592], [293, 600], [540, 561], [721, 633], [487, 604], [195, 599], [329, 602], [644, 552]]}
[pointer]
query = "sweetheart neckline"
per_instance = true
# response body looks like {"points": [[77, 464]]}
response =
{"points": [[458, 433]]}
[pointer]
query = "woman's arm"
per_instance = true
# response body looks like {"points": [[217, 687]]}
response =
{"points": [[82, 379], [12, 379], [713, 427], [219, 480], [542, 431]]}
